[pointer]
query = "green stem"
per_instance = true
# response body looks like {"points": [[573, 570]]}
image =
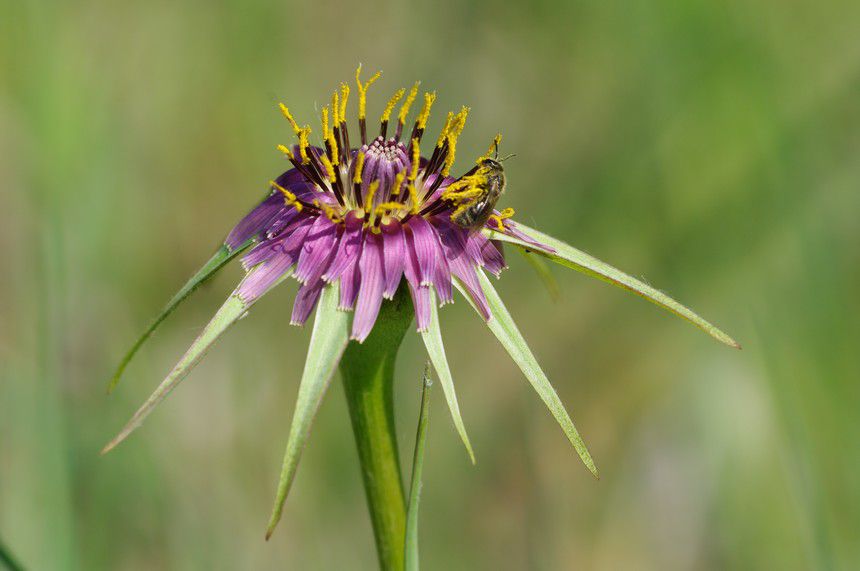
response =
{"points": [[368, 379]]}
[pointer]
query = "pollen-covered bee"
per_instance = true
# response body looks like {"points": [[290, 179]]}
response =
{"points": [[488, 186]]}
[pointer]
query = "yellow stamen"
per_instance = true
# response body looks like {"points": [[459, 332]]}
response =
{"points": [[503, 215], [413, 196], [371, 193], [389, 107], [404, 111], [289, 116], [329, 168], [325, 121], [335, 109], [289, 197], [398, 181], [329, 212], [416, 160], [328, 132], [286, 150], [304, 144], [344, 96], [429, 98], [386, 207], [493, 150], [453, 133], [362, 91], [444, 134], [359, 166]]}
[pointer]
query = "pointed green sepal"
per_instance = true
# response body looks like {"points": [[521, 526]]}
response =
{"points": [[209, 269], [436, 350], [230, 312], [411, 544], [503, 327], [567, 255], [226, 316], [328, 341]]}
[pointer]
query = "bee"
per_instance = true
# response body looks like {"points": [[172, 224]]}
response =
{"points": [[491, 186]]}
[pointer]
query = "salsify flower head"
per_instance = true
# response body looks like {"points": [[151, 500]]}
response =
{"points": [[361, 213], [373, 215]]}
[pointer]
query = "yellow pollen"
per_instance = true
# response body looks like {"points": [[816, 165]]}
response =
{"points": [[444, 134], [329, 212], [335, 109], [344, 96], [494, 148], [371, 193], [328, 133], [359, 166], [416, 160], [389, 107], [325, 121], [289, 197], [429, 98], [453, 133], [362, 91], [413, 196], [329, 169], [404, 111], [398, 181], [386, 207], [286, 150], [503, 215], [289, 116], [304, 144]]}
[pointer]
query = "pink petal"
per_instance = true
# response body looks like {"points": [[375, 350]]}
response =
{"points": [[372, 281], [316, 251], [423, 239], [394, 252]]}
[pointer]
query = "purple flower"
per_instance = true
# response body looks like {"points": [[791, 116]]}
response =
{"points": [[353, 222]]}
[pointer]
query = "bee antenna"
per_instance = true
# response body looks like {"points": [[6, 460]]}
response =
{"points": [[503, 159], [496, 145]]}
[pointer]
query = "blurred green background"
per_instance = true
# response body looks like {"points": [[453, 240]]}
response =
{"points": [[709, 146]]}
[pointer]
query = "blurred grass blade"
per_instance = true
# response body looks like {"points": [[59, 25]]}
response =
{"points": [[7, 561], [328, 342], [227, 315], [436, 350], [544, 273], [503, 327], [569, 256], [411, 547], [209, 269]]}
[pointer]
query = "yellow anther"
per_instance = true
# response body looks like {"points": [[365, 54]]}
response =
{"points": [[286, 150], [328, 133], [289, 197], [329, 168], [416, 160], [503, 215], [398, 181], [386, 207], [493, 150], [289, 116], [429, 98], [444, 134], [304, 144], [335, 109], [325, 121], [413, 197], [389, 107], [329, 212], [371, 194], [362, 91], [453, 133], [344, 96], [359, 167], [407, 104]]}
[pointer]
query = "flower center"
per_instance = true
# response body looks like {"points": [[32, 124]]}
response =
{"points": [[383, 161]]}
